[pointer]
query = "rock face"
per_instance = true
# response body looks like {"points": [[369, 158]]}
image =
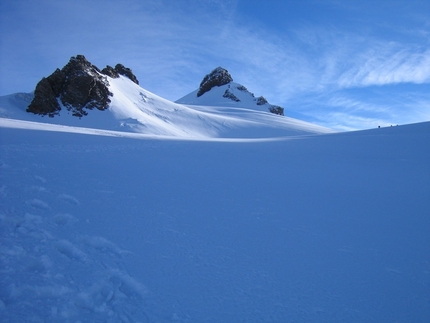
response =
{"points": [[217, 77], [79, 86], [45, 100]]}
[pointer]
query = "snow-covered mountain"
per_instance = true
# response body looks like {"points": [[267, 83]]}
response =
{"points": [[81, 95], [218, 89]]}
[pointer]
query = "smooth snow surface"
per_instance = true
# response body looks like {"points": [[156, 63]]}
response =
{"points": [[326, 228]]}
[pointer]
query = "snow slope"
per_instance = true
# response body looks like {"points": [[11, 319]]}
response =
{"points": [[327, 228], [133, 109]]}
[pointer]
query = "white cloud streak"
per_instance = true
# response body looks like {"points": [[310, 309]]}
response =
{"points": [[388, 64]]}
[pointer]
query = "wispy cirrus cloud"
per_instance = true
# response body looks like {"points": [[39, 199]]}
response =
{"points": [[364, 108], [388, 64]]}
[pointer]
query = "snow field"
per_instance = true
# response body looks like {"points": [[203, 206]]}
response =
{"points": [[330, 228], [50, 270]]}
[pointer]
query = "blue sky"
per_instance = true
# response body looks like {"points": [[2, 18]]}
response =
{"points": [[342, 64]]}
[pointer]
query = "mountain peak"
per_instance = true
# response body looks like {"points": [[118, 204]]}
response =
{"points": [[79, 62], [218, 89], [218, 77], [78, 86]]}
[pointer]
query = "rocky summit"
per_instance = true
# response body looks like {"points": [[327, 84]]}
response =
{"points": [[219, 76], [78, 86], [218, 88]]}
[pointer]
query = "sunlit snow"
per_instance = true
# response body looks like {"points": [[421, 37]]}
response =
{"points": [[134, 109]]}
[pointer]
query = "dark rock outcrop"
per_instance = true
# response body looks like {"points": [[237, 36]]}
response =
{"points": [[243, 89], [45, 100], [276, 109], [84, 87], [110, 71], [121, 69], [227, 94], [79, 86], [261, 100], [217, 77]]}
